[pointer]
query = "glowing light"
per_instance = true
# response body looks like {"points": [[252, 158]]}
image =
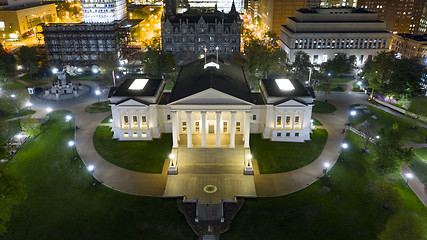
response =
{"points": [[111, 120], [91, 168], [19, 136], [353, 113], [48, 110], [344, 145], [13, 95], [79, 70], [171, 156], [71, 143], [377, 137], [97, 92], [285, 84], [55, 70], [29, 104], [19, 67], [211, 64], [68, 118], [138, 84], [326, 164], [409, 175], [95, 70], [359, 83]]}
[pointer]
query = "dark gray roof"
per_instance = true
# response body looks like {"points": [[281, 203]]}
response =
{"points": [[229, 78], [274, 91], [149, 90], [209, 18]]}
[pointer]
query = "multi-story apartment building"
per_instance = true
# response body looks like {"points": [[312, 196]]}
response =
{"points": [[400, 16], [324, 32], [195, 33], [410, 46]]}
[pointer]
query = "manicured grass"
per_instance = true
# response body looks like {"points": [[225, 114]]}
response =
{"points": [[338, 87], [341, 206], [386, 120], [22, 112], [356, 88], [169, 85], [98, 107], [316, 122], [143, 156], [63, 204], [323, 107], [342, 80], [419, 164], [11, 85], [107, 119], [274, 157]]}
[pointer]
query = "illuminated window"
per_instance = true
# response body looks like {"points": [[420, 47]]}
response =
{"points": [[288, 120], [184, 126], [279, 120], [135, 120], [224, 127], [237, 127], [135, 134], [197, 127], [144, 120], [126, 134], [126, 120], [296, 119]]}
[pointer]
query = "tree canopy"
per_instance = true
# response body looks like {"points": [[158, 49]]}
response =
{"points": [[403, 226], [302, 66], [340, 64], [7, 65], [30, 126], [28, 59], [159, 63]]}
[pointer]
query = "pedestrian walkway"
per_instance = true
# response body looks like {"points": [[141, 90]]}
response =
{"points": [[416, 185]]}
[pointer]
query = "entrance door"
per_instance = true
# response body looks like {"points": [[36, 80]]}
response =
{"points": [[211, 128]]}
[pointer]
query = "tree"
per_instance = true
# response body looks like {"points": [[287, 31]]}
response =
{"points": [[159, 63], [403, 226], [340, 64], [265, 59], [7, 65], [390, 154], [369, 130], [419, 107], [379, 70], [406, 78], [30, 126], [302, 66], [108, 62], [386, 192], [28, 59], [321, 82]]}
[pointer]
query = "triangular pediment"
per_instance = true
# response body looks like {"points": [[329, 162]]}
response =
{"points": [[132, 102], [210, 97], [291, 103]]}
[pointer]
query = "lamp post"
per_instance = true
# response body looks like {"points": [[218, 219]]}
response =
{"points": [[344, 145], [68, 119], [71, 144], [48, 110], [91, 168], [29, 104], [408, 176], [326, 165], [97, 93]]}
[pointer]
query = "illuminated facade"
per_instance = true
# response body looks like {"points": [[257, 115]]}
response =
{"points": [[410, 46], [323, 32], [211, 105], [103, 11]]}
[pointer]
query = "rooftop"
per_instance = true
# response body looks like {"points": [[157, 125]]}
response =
{"points": [[273, 89], [135, 88]]}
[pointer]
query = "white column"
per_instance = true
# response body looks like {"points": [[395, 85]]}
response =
{"points": [[203, 123], [275, 119], [121, 120], [247, 128], [138, 120], [174, 129], [218, 129], [146, 119], [153, 115], [301, 119], [293, 119], [189, 128], [129, 120], [232, 128]]}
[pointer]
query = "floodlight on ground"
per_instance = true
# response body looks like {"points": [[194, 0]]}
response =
{"points": [[329, 74], [377, 137], [326, 165], [353, 113], [13, 95], [29, 104], [111, 120], [311, 120], [359, 83], [306, 82], [55, 70], [19, 67], [71, 143], [48, 110], [409, 175], [91, 168], [97, 92], [68, 118], [79, 70], [95, 70], [19, 136], [249, 156], [171, 156], [344, 145]]}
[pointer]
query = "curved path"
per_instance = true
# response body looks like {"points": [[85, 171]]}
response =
{"points": [[127, 181], [277, 184]]}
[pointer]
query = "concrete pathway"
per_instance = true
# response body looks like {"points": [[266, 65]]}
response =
{"points": [[416, 185]]}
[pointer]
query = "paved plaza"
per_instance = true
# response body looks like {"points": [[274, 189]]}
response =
{"points": [[210, 175]]}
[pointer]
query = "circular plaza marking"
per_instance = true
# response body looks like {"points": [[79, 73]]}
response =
{"points": [[210, 188]]}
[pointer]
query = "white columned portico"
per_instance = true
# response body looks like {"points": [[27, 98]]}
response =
{"points": [[218, 129], [233, 129], [121, 119], [146, 120], [174, 130], [247, 128], [203, 113], [293, 119], [189, 128], [129, 120]]}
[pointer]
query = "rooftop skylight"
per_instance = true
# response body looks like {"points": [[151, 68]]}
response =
{"points": [[211, 64], [285, 84], [138, 84]]}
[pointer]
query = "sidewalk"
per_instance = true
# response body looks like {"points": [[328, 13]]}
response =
{"points": [[416, 185]]}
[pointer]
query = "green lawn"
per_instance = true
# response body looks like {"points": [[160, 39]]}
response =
{"points": [[22, 112], [341, 206], [356, 88], [107, 119], [274, 157], [316, 122], [419, 164], [323, 107], [143, 156], [63, 204], [342, 80], [11, 85], [386, 120], [338, 87], [98, 107], [169, 85]]}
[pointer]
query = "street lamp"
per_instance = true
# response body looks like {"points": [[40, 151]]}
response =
{"points": [[71, 143], [344, 145], [91, 168], [68, 118], [353, 113], [55, 70], [28, 105], [359, 83], [13, 95], [377, 137], [97, 93], [408, 176], [326, 165]]}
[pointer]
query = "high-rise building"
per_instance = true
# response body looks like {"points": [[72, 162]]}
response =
{"points": [[270, 15], [410, 46], [180, 6], [400, 16], [324, 32], [103, 11]]}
